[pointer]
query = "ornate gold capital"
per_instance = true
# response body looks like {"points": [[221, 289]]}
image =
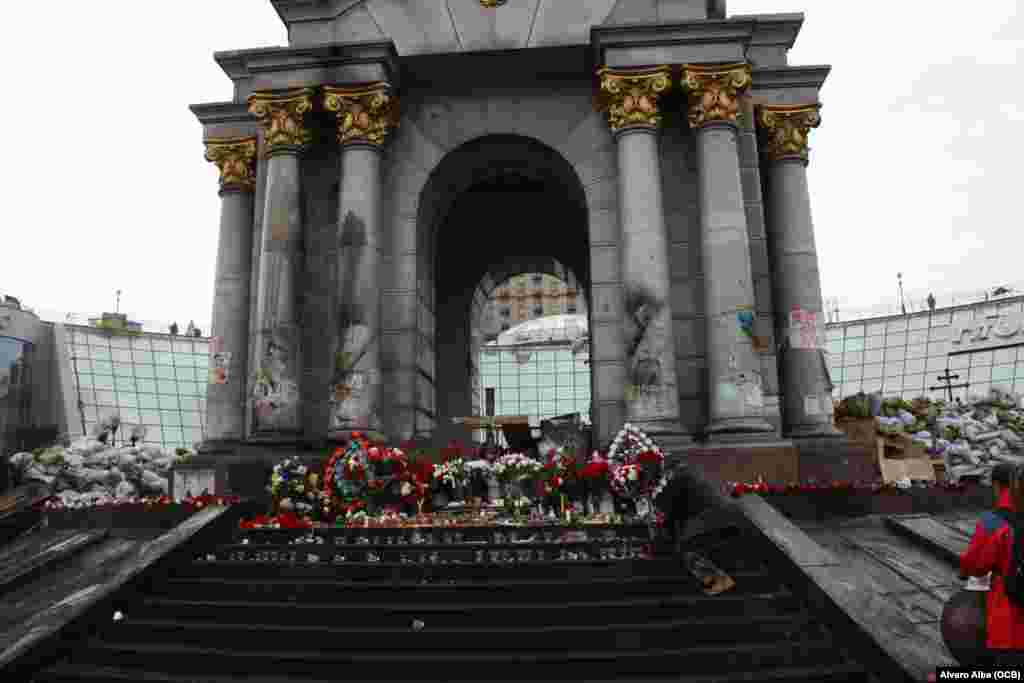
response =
{"points": [[714, 92], [631, 96], [492, 3], [282, 116], [234, 158], [785, 129], [365, 113]]}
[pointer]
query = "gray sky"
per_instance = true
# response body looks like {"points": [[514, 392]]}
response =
{"points": [[912, 169]]}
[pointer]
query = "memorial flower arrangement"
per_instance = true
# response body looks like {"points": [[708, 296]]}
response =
{"points": [[284, 520], [288, 479], [289, 489], [386, 462], [515, 467], [737, 489], [595, 472], [146, 503], [637, 465], [450, 473], [552, 478]]}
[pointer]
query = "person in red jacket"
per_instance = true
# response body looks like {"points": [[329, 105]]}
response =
{"points": [[990, 550]]}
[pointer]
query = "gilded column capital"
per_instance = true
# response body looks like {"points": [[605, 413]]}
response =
{"points": [[714, 92], [234, 158], [631, 96], [282, 115], [366, 113], [786, 128], [490, 4]]}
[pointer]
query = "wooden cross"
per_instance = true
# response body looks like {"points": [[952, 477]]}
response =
{"points": [[949, 386]]}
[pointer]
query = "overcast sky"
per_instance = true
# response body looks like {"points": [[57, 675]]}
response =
{"points": [[914, 169]]}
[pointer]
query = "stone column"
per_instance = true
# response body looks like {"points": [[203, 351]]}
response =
{"points": [[279, 364], [365, 116], [652, 395], [806, 398], [736, 401], [225, 392]]}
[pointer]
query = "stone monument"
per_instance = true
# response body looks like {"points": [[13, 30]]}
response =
{"points": [[355, 225]]}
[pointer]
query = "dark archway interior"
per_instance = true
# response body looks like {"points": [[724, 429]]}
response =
{"points": [[504, 205]]}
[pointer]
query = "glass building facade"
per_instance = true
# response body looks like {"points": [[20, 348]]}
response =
{"points": [[16, 361], [540, 368], [537, 381], [156, 380], [903, 356]]}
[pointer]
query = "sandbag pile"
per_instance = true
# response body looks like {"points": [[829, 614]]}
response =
{"points": [[88, 472], [971, 437]]}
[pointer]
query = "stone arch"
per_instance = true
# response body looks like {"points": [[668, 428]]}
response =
{"points": [[581, 189], [431, 160]]}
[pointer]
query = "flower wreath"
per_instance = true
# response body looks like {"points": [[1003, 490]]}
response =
{"points": [[636, 465], [345, 471]]}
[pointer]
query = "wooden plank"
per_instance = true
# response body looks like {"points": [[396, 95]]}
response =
{"points": [[31, 544], [903, 557], [913, 648], [919, 606], [789, 538], [54, 587], [879, 577], [52, 550], [946, 542], [97, 584]]}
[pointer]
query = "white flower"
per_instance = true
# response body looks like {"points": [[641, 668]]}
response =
{"points": [[406, 488]]}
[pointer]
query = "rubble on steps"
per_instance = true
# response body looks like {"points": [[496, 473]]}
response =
{"points": [[89, 472]]}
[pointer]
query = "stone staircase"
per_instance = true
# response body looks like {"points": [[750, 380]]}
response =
{"points": [[473, 604]]}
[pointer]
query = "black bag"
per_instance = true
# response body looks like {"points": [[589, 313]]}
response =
{"points": [[963, 626], [1013, 582]]}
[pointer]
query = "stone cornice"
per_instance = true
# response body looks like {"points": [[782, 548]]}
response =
{"points": [[740, 32], [288, 67], [297, 11], [221, 112], [225, 120], [603, 38], [773, 29], [788, 85], [780, 78]]}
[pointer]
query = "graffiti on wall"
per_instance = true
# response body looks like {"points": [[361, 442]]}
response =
{"points": [[740, 394], [276, 389], [805, 330], [648, 340], [353, 384], [219, 363]]}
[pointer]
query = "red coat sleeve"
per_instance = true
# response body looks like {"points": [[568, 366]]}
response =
{"points": [[983, 553]]}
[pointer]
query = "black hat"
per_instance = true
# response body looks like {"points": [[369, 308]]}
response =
{"points": [[1004, 473]]}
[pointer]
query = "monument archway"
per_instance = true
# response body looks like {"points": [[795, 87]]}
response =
{"points": [[494, 207]]}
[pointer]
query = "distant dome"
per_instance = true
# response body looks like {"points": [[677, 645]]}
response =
{"points": [[551, 328]]}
